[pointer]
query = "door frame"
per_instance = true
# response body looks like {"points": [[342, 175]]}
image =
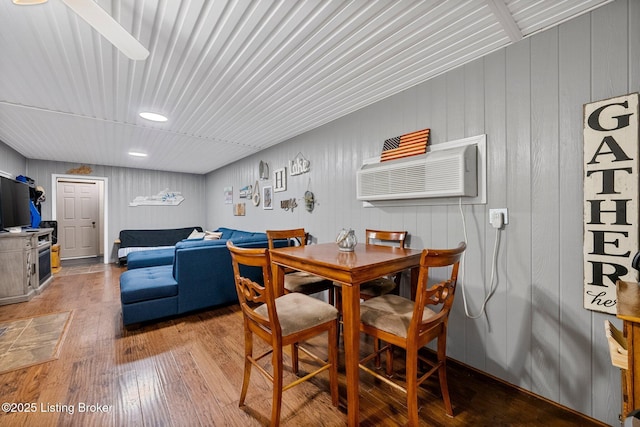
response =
{"points": [[103, 202]]}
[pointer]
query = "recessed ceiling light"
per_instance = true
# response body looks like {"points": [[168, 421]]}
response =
{"points": [[154, 117], [28, 2], [137, 154]]}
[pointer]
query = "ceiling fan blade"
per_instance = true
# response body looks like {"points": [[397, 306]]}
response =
{"points": [[108, 27]]}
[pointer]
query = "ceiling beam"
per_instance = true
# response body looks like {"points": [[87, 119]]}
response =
{"points": [[501, 11]]}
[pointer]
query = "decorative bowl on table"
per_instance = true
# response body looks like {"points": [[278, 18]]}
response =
{"points": [[346, 240]]}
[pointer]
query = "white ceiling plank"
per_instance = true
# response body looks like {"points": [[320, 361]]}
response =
{"points": [[233, 76]]}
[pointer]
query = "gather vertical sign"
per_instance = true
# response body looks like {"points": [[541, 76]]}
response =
{"points": [[610, 198]]}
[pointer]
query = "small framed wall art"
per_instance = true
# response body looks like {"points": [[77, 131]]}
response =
{"points": [[267, 197], [228, 195], [239, 209], [246, 192], [279, 180]]}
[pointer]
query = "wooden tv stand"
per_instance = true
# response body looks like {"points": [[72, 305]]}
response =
{"points": [[20, 266]]}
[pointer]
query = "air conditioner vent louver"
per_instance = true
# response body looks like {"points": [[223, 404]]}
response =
{"points": [[443, 173]]}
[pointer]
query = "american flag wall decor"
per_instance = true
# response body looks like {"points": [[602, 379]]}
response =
{"points": [[411, 144]]}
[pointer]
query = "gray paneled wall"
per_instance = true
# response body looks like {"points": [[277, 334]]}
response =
{"points": [[528, 99], [124, 184], [11, 161]]}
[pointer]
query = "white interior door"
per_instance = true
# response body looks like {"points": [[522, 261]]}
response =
{"points": [[78, 214]]}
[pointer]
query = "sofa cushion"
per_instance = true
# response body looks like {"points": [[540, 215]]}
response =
{"points": [[151, 238], [240, 235], [237, 238], [226, 232], [150, 258], [149, 283], [199, 243]]}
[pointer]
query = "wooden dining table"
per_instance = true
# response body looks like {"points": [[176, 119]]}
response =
{"points": [[349, 270]]}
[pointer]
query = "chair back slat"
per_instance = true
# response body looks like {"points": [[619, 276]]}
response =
{"points": [[294, 234], [397, 237]]}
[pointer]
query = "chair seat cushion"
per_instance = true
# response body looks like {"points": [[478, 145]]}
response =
{"points": [[297, 312], [390, 313], [150, 258], [305, 283], [377, 287], [143, 284]]}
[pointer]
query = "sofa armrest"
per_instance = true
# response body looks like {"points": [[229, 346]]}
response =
{"points": [[205, 275]]}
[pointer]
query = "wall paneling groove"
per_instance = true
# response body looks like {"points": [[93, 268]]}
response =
{"points": [[528, 99]]}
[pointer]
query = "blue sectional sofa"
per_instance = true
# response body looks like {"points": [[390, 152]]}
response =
{"points": [[164, 256], [200, 276]]}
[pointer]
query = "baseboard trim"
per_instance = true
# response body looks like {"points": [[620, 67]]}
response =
{"points": [[451, 361]]}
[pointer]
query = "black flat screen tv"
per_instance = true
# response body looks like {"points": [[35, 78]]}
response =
{"points": [[15, 209]]}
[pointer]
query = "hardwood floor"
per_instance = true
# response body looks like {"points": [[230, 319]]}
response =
{"points": [[187, 371]]}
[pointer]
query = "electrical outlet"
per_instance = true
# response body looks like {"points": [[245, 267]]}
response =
{"points": [[503, 211]]}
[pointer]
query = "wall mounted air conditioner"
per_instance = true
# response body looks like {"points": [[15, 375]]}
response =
{"points": [[448, 172]]}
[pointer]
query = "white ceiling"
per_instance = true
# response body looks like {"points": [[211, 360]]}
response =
{"points": [[234, 77]]}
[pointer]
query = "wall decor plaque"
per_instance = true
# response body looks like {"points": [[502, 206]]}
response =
{"points": [[309, 201], [163, 198], [255, 198], [81, 170], [280, 180], [289, 204], [299, 165], [410, 144], [610, 198], [263, 170]]}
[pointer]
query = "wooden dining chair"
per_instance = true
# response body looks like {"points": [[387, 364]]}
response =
{"points": [[382, 285], [285, 320], [299, 281], [411, 325]]}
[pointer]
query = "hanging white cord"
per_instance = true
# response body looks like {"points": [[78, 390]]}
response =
{"points": [[494, 262]]}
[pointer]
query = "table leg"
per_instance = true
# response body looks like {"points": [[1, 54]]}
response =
{"points": [[277, 275], [351, 321], [415, 272]]}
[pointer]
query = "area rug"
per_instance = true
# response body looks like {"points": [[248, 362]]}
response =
{"points": [[31, 341]]}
